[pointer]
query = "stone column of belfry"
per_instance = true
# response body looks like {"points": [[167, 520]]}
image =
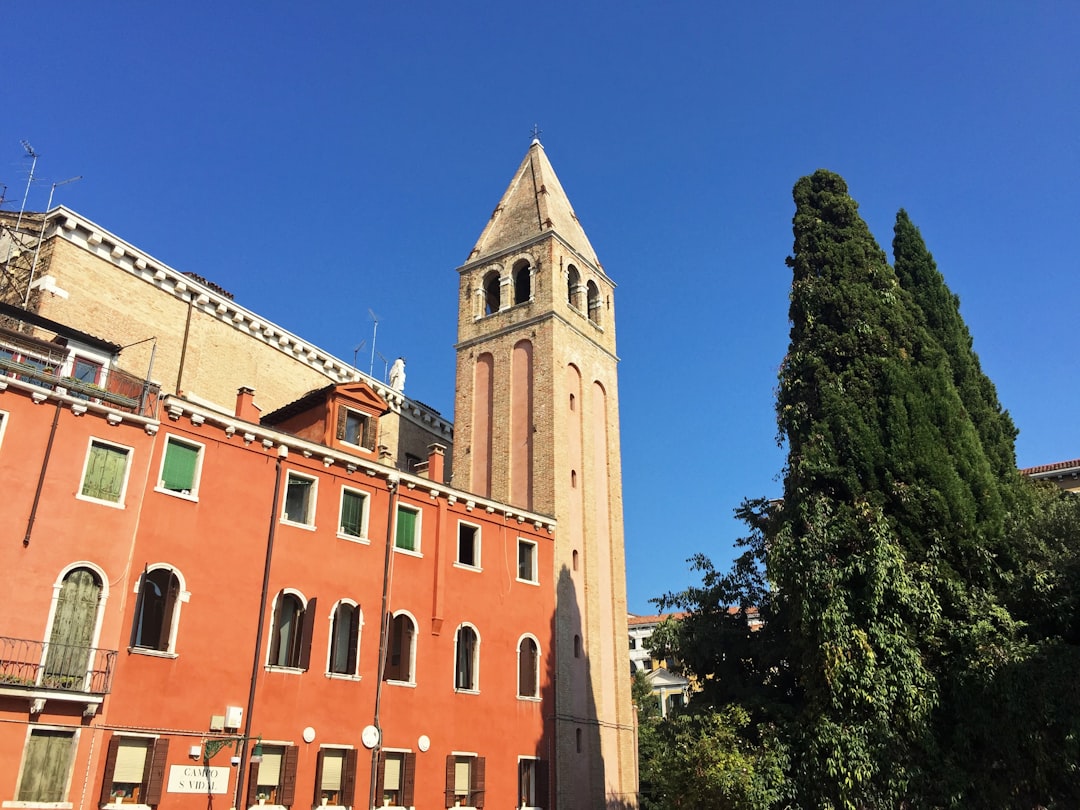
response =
{"points": [[537, 426]]}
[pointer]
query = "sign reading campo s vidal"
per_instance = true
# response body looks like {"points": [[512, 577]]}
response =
{"points": [[198, 779]]}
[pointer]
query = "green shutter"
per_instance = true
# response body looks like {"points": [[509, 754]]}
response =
{"points": [[179, 469], [46, 765], [406, 529], [105, 470], [352, 513]]}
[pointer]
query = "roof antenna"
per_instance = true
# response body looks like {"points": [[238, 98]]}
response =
{"points": [[374, 334], [385, 365], [536, 133], [356, 351], [30, 153]]}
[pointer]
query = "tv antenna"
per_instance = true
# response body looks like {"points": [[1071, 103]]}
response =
{"points": [[385, 365], [356, 351], [41, 236], [374, 334]]}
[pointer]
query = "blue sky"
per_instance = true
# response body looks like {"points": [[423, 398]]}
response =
{"points": [[324, 159]]}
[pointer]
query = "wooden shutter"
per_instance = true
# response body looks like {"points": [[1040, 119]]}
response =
{"points": [[342, 415], [155, 775], [477, 789], [451, 773], [408, 779], [370, 425], [405, 536], [541, 786], [137, 620], [348, 778], [73, 627], [253, 785], [110, 769], [287, 788], [318, 777], [306, 635], [380, 782]]}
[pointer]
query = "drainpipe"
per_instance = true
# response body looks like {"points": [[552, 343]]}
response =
{"points": [[283, 451], [388, 568], [41, 475]]}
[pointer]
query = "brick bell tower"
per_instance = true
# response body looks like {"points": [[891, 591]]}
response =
{"points": [[537, 426]]}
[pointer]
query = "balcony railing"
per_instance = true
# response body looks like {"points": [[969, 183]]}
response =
{"points": [[47, 665]]}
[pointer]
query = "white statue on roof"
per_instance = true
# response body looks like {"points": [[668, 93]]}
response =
{"points": [[397, 375]]}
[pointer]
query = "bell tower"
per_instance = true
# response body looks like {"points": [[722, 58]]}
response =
{"points": [[537, 426]]}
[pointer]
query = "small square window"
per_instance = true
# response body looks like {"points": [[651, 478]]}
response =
{"points": [[353, 518], [300, 500], [181, 465], [355, 428], [468, 547], [527, 561], [407, 531], [106, 473]]}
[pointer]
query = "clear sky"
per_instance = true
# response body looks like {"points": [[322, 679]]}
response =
{"points": [[321, 160]]}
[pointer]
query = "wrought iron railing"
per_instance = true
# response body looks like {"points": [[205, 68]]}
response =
{"points": [[49, 665]]}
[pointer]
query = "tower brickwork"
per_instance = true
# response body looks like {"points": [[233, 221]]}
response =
{"points": [[537, 426]]}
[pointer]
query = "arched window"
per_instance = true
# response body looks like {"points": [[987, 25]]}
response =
{"points": [[74, 624], [290, 633], [573, 287], [522, 282], [594, 302], [528, 668], [157, 610], [401, 650], [467, 659], [344, 638], [492, 291]]}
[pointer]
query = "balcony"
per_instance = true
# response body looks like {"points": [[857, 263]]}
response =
{"points": [[42, 670]]}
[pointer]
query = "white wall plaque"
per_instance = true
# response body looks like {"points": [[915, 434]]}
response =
{"points": [[198, 779]]}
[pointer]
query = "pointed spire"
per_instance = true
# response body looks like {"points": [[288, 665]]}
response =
{"points": [[534, 204]]}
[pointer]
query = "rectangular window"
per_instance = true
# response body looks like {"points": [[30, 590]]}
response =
{"points": [[352, 521], [468, 548], [3, 425], [46, 765], [335, 777], [532, 783], [464, 780], [181, 464], [396, 778], [106, 472], [355, 428], [273, 780], [299, 500], [527, 561], [407, 531]]}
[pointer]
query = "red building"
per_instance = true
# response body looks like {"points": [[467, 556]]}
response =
{"points": [[198, 601]]}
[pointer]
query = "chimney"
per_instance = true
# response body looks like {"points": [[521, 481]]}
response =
{"points": [[436, 462], [246, 408]]}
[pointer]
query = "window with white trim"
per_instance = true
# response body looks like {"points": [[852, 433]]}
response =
{"points": [[272, 780], [465, 780], [527, 561], [467, 659], [157, 610], [3, 426], [468, 545], [46, 765], [401, 650], [532, 783], [355, 428], [335, 777], [181, 466], [396, 778], [134, 770], [353, 515], [105, 473], [528, 668], [407, 529], [290, 632], [345, 639], [300, 491]]}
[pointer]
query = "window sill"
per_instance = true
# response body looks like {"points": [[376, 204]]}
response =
{"points": [[409, 684], [529, 698], [151, 653], [125, 805], [306, 526], [100, 502], [467, 691], [52, 805], [476, 569], [184, 496], [528, 581], [285, 670], [268, 807], [408, 552], [352, 538], [341, 676]]}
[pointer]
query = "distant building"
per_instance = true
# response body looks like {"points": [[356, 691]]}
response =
{"points": [[1066, 474], [671, 689]]}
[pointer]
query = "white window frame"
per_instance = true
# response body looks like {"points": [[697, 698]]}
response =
{"points": [[517, 675], [535, 761], [312, 500], [66, 804], [270, 665], [4, 417], [418, 530], [473, 757], [363, 537], [193, 493], [404, 754], [367, 420], [129, 452], [345, 753], [477, 566], [535, 561], [355, 674], [475, 688], [174, 625], [412, 651]]}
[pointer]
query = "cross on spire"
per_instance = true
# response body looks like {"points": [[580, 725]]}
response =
{"points": [[536, 132]]}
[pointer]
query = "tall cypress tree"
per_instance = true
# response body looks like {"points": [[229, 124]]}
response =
{"points": [[877, 544]]}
